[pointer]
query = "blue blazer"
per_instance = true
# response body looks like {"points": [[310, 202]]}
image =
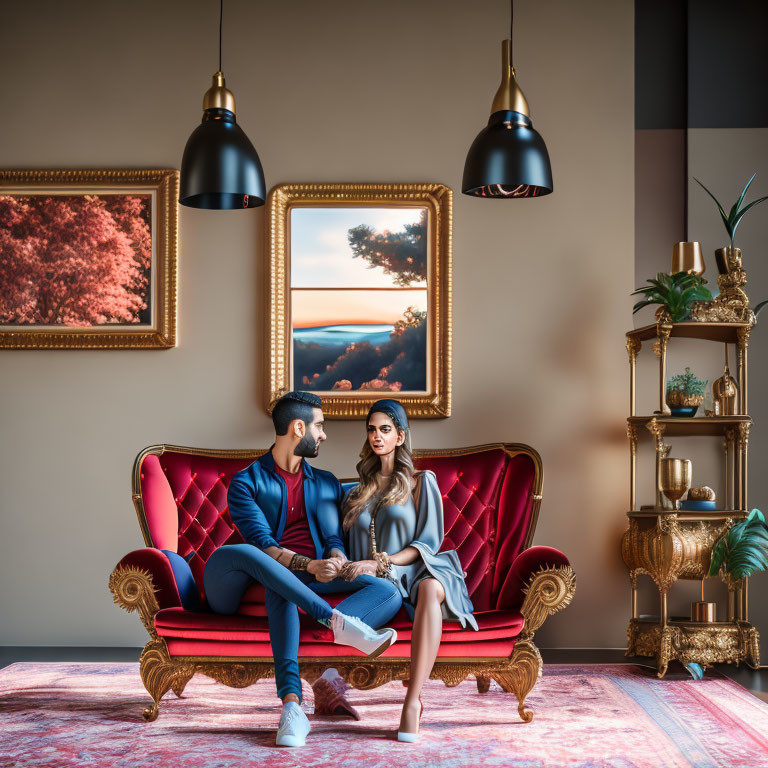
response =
{"points": [[258, 504]]}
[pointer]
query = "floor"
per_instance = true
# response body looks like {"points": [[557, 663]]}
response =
{"points": [[754, 680]]}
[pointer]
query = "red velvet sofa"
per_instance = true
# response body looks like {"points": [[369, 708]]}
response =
{"points": [[491, 498]]}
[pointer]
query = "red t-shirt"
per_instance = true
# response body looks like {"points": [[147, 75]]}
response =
{"points": [[296, 535]]}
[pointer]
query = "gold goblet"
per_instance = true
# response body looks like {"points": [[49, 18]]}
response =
{"points": [[675, 479]]}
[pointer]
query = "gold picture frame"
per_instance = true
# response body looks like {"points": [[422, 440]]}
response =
{"points": [[149, 308], [434, 401]]}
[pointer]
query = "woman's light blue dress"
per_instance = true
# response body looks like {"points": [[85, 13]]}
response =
{"points": [[401, 525]]}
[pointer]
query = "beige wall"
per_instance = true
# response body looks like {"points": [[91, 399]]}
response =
{"points": [[338, 91]]}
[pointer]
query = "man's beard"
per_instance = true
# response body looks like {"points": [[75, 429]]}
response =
{"points": [[308, 448]]}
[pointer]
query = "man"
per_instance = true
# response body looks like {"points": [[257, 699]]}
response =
{"points": [[288, 515]]}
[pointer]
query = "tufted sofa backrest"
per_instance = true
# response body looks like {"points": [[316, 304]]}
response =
{"points": [[491, 496]]}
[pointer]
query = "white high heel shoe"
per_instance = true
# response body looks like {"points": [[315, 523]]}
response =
{"points": [[411, 738]]}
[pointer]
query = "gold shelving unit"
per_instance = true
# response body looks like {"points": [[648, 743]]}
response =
{"points": [[668, 545]]}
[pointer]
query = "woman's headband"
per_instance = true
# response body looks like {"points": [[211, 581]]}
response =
{"points": [[396, 412]]}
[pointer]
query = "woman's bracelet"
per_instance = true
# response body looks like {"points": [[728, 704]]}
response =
{"points": [[383, 564], [299, 563]]}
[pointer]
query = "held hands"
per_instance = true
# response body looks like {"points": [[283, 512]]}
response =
{"points": [[326, 570], [351, 570]]}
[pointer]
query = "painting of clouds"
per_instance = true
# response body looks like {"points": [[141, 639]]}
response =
{"points": [[359, 313]]}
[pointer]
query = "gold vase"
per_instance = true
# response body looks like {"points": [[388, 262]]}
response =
{"points": [[687, 257], [728, 260]]}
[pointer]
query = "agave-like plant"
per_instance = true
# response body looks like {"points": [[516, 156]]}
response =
{"points": [[674, 292], [743, 550], [736, 214]]}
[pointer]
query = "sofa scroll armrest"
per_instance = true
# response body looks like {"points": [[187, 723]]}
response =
{"points": [[143, 581], [539, 583]]}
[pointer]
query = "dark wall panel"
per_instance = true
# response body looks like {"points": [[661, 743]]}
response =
{"points": [[728, 64], [660, 64]]}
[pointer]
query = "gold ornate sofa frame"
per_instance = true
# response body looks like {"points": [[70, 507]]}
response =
{"points": [[548, 591]]}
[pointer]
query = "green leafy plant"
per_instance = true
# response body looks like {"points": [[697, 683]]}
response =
{"points": [[743, 550], [736, 214], [675, 292], [686, 383]]}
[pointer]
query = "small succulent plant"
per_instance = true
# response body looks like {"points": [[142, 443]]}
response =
{"points": [[676, 293], [687, 384], [736, 214]]}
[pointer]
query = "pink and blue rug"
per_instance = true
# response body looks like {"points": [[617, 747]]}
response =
{"points": [[611, 716]]}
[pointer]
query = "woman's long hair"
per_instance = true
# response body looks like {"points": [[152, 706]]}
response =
{"points": [[397, 492]]}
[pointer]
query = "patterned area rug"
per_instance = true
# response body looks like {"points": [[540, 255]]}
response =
{"points": [[611, 716]]}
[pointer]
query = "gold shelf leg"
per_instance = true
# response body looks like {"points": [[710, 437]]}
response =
{"points": [[741, 456], [742, 345], [663, 332], [632, 435], [657, 430], [728, 439], [633, 599], [633, 347], [745, 606]]}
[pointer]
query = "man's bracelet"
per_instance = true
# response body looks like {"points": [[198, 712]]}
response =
{"points": [[299, 563]]}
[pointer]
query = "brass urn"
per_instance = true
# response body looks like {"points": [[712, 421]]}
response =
{"points": [[725, 392]]}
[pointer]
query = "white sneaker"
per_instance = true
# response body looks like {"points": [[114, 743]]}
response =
{"points": [[294, 726], [348, 630]]}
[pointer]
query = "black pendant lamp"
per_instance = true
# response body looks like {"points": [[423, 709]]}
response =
{"points": [[220, 169], [508, 158]]}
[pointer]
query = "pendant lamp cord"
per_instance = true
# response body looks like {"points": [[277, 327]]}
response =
{"points": [[221, 19], [511, 27]]}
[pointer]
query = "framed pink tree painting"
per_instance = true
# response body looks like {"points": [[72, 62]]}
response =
{"points": [[88, 259]]}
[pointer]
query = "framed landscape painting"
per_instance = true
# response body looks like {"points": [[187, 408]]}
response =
{"points": [[360, 295], [88, 259]]}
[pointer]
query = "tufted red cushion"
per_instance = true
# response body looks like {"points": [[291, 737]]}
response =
{"points": [[189, 633], [484, 493]]}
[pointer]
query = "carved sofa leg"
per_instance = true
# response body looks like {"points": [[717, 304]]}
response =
{"points": [[160, 674], [483, 684], [522, 674]]}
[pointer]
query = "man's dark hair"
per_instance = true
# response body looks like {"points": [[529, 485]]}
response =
{"points": [[292, 406]]}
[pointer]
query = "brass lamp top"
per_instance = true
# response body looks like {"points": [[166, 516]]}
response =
{"points": [[687, 257], [509, 97], [218, 96]]}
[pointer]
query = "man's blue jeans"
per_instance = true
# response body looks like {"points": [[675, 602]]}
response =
{"points": [[230, 570]]}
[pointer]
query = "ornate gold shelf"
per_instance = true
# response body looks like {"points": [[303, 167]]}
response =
{"points": [[668, 545], [689, 515], [728, 333], [684, 426], [718, 642]]}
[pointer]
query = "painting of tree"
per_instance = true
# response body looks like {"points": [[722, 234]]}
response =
{"points": [[75, 260], [402, 254]]}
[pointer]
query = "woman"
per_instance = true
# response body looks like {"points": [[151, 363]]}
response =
{"points": [[394, 522]]}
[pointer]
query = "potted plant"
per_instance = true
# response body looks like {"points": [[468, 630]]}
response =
{"points": [[685, 393], [743, 550], [731, 255], [674, 294]]}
